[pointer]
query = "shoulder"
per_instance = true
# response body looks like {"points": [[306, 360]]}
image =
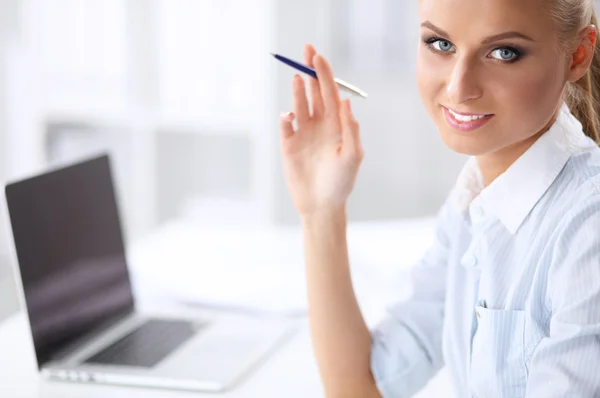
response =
{"points": [[577, 217], [568, 215], [582, 171], [576, 191], [573, 255]]}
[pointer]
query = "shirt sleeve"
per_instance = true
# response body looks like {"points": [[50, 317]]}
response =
{"points": [[566, 362], [406, 346]]}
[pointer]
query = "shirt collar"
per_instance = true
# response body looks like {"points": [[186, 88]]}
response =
{"points": [[513, 195]]}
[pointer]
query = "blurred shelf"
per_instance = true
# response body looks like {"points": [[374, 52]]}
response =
{"points": [[218, 126], [90, 99]]}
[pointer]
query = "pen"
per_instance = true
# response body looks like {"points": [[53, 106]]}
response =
{"points": [[312, 72]]}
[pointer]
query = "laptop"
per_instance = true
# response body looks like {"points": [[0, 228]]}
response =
{"points": [[83, 318]]}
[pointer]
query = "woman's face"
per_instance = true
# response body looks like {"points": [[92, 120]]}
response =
{"points": [[496, 59]]}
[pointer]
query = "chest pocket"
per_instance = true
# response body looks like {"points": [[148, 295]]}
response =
{"points": [[497, 360]]}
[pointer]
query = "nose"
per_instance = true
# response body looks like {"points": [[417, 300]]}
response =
{"points": [[463, 85]]}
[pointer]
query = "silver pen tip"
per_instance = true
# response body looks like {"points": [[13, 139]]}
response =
{"points": [[272, 54]]}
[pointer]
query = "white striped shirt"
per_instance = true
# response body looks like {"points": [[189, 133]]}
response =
{"points": [[508, 297]]}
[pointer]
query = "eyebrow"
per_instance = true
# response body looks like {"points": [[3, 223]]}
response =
{"points": [[487, 40]]}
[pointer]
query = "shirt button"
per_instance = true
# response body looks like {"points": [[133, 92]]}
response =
{"points": [[470, 261], [478, 212]]}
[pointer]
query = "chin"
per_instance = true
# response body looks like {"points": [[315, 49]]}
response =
{"points": [[471, 145]]}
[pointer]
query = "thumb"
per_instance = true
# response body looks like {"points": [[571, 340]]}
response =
{"points": [[350, 127]]}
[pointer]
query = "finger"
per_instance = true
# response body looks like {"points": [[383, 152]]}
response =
{"points": [[329, 89], [300, 101], [314, 90], [286, 127], [350, 129]]}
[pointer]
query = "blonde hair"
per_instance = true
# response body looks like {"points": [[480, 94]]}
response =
{"points": [[583, 96]]}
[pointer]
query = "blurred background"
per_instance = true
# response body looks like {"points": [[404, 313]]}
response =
{"points": [[185, 97]]}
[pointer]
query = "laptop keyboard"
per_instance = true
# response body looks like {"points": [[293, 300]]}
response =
{"points": [[147, 345]]}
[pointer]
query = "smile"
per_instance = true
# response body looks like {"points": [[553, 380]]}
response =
{"points": [[466, 121]]}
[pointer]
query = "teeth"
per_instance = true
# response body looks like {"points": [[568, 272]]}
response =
{"points": [[462, 118]]}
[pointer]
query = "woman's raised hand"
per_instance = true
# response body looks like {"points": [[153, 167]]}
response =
{"points": [[322, 155]]}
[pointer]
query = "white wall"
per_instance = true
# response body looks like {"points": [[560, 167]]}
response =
{"points": [[156, 86], [407, 170]]}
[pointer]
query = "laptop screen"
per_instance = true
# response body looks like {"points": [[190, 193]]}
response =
{"points": [[70, 251]]}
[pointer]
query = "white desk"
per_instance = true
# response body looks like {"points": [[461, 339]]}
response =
{"points": [[291, 371]]}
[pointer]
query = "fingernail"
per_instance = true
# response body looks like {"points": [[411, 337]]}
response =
{"points": [[286, 115]]}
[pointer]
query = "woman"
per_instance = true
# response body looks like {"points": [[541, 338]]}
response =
{"points": [[508, 297]]}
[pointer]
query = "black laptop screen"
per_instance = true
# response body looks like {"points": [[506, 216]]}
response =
{"points": [[70, 251]]}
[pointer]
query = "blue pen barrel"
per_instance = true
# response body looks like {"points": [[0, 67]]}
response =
{"points": [[311, 72], [303, 68]]}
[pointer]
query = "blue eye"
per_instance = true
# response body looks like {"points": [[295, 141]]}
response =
{"points": [[506, 54], [442, 45]]}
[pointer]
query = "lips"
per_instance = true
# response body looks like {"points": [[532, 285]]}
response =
{"points": [[466, 122]]}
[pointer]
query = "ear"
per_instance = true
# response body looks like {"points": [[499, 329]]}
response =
{"points": [[583, 53]]}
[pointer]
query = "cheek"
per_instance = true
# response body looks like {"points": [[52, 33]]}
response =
{"points": [[530, 96]]}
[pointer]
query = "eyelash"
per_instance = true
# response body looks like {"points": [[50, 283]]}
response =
{"points": [[518, 53]]}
